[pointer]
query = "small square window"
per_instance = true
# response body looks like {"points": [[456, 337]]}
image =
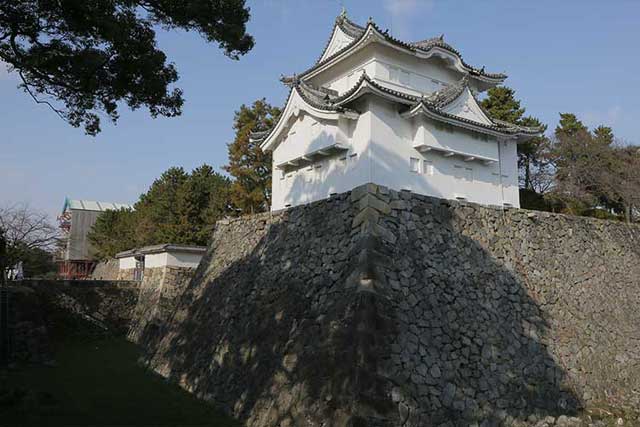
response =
{"points": [[414, 165]]}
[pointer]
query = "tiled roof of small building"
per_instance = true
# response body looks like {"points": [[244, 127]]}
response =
{"points": [[91, 205], [165, 247]]}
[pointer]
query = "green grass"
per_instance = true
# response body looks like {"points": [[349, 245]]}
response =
{"points": [[98, 382]]}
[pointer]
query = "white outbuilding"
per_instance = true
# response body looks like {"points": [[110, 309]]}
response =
{"points": [[135, 262], [400, 114]]}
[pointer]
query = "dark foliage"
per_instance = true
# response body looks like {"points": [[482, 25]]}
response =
{"points": [[248, 164], [85, 57], [179, 207]]}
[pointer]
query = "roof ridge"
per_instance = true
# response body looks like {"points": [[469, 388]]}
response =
{"points": [[433, 107], [449, 93], [354, 30]]}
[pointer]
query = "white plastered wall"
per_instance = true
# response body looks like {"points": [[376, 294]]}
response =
{"points": [[172, 259], [338, 41], [127, 263], [392, 147], [333, 174], [381, 145], [393, 69]]}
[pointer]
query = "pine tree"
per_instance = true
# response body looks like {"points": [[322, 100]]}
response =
{"points": [[202, 200], [179, 208], [85, 59], [248, 164], [502, 104], [603, 135], [569, 126], [157, 209], [114, 231], [532, 159]]}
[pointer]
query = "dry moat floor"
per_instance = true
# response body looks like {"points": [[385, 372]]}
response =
{"points": [[98, 382]]}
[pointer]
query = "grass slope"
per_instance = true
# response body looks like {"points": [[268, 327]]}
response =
{"points": [[98, 382]]}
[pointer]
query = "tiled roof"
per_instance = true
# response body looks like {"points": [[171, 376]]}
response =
{"points": [[166, 247], [319, 98], [357, 32], [90, 205], [433, 103], [447, 95]]}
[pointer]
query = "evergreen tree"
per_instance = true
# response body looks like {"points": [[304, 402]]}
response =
{"points": [[569, 127], [202, 200], [114, 231], [502, 104], [179, 208], [603, 135], [87, 58], [592, 172], [248, 164], [533, 163], [157, 209]]}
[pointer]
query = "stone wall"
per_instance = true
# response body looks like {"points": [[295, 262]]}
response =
{"points": [[125, 274], [160, 292], [106, 270], [41, 310], [379, 308]]}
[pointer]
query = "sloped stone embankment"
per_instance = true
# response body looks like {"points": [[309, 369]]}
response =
{"points": [[384, 308]]}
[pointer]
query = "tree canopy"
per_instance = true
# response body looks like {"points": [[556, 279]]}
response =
{"points": [[179, 207], [577, 170], [501, 104], [85, 58], [593, 171], [248, 164]]}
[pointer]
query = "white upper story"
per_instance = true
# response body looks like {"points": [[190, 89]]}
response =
{"points": [[404, 115]]}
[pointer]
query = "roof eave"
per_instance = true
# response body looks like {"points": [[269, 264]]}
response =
{"points": [[422, 109], [382, 37], [326, 113]]}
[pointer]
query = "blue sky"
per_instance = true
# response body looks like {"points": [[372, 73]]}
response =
{"points": [[578, 56]]}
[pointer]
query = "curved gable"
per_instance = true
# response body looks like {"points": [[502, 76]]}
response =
{"points": [[466, 106], [339, 39], [295, 104]]}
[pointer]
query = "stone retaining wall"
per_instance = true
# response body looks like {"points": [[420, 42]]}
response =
{"points": [[379, 308], [40, 309], [106, 270], [160, 292]]}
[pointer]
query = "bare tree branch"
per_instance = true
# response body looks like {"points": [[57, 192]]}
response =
{"points": [[26, 229]]}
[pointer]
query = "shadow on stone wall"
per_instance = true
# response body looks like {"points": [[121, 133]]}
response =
{"points": [[371, 308]]}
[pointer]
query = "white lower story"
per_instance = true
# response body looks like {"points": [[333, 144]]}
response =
{"points": [[380, 146]]}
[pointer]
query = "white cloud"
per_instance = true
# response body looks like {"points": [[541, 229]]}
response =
{"points": [[402, 11]]}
